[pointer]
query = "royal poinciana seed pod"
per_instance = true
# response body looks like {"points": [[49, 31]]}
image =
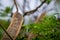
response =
{"points": [[15, 25]]}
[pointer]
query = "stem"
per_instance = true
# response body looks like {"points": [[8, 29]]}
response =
{"points": [[32, 11], [6, 32], [16, 5]]}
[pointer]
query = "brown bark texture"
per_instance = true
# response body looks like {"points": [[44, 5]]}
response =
{"points": [[14, 27]]}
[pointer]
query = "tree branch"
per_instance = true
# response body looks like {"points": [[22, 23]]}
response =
{"points": [[32, 11], [6, 32], [16, 5]]}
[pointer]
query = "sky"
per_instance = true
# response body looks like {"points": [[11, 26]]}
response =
{"points": [[30, 5], [9, 3]]}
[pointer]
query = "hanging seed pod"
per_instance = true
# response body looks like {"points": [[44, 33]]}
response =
{"points": [[14, 27]]}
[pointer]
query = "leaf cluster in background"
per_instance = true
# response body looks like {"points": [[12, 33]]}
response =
{"points": [[47, 27], [48, 1], [5, 12]]}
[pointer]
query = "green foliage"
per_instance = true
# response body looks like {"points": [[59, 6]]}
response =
{"points": [[47, 29], [46, 24], [5, 24], [1, 33], [48, 1], [6, 11]]}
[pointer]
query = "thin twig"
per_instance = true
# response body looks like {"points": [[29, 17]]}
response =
{"points": [[6, 32], [16, 5], [32, 11]]}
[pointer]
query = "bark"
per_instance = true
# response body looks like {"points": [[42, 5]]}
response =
{"points": [[32, 11], [40, 17], [14, 27]]}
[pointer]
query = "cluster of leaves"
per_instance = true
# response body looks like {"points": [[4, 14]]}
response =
{"points": [[48, 1], [47, 24], [1, 33], [4, 23], [6, 11], [48, 27]]}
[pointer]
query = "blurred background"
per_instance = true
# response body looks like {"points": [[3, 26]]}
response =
{"points": [[48, 29]]}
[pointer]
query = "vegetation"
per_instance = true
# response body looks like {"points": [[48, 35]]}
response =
{"points": [[5, 12], [46, 29], [5, 25]]}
